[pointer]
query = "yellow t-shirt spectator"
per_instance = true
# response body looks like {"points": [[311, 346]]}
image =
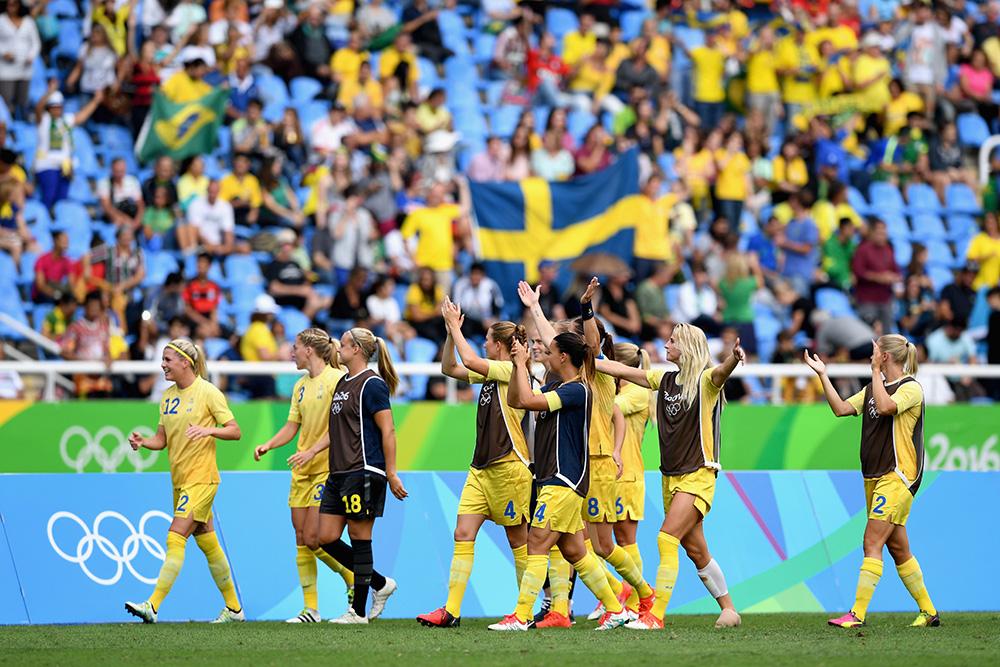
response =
{"points": [[658, 54], [589, 79], [436, 243], [696, 173], [652, 238], [800, 88], [897, 109], [795, 172], [576, 47], [731, 181], [351, 88], [619, 53], [389, 61], [345, 63], [257, 337], [417, 302], [709, 69], [842, 38], [986, 251], [834, 75], [762, 75], [873, 96], [247, 188], [827, 217], [181, 88]]}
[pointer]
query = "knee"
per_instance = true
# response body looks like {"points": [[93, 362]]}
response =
{"points": [[309, 538], [300, 536], [872, 547], [603, 546], [697, 555], [463, 534]]}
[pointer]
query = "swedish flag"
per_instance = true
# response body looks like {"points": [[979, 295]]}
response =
{"points": [[181, 130], [521, 224]]}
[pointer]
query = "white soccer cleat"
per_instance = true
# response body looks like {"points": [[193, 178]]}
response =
{"points": [[380, 597], [142, 610], [307, 615], [350, 617], [610, 620], [728, 619], [597, 613], [227, 615], [510, 623]]}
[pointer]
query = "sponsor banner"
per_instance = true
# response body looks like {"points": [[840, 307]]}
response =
{"points": [[92, 436], [787, 541]]}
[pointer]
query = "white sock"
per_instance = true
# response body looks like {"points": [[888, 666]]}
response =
{"points": [[711, 575]]}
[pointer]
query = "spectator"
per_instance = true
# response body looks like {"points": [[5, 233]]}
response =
{"points": [[480, 299], [333, 132], [53, 271], [373, 18], [580, 43], [242, 190], [439, 227], [709, 73], [169, 301], [489, 164], [270, 27], [551, 161], [288, 138], [162, 229], [385, 317], [838, 252], [89, 339], [547, 74], [21, 45], [188, 84], [875, 273], [591, 82], [213, 220], [956, 300], [164, 173], [618, 306], [433, 115], [201, 300], [399, 62], [764, 246], [144, 79], [258, 344], [96, 65], [310, 43], [951, 344], [763, 91], [362, 89], [732, 182], [594, 155], [58, 320], [518, 163], [251, 134], [984, 250], [120, 196], [420, 20], [737, 288], [925, 65], [510, 53], [124, 270], [14, 232], [288, 283], [549, 299], [697, 302], [947, 165], [193, 183], [54, 156], [280, 203], [790, 172], [916, 309], [799, 241], [651, 300], [423, 305], [635, 72], [842, 335], [349, 308], [346, 238]]}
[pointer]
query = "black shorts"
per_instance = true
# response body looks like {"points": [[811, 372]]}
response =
{"points": [[359, 495]]}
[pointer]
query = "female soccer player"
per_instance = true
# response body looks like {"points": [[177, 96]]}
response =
{"points": [[498, 486], [688, 416], [892, 462], [362, 463], [315, 352], [190, 413], [562, 473]]}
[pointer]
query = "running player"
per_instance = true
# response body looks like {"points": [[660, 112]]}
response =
{"points": [[562, 473], [688, 416], [315, 352], [498, 486], [190, 413], [362, 463], [892, 463]]}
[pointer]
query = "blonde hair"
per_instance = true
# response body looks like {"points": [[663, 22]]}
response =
{"points": [[694, 359], [325, 347], [636, 357], [191, 354], [902, 351], [736, 267], [505, 333], [369, 343]]}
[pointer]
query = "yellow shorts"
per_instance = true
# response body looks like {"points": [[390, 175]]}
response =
{"points": [[306, 490], [558, 509], [631, 501], [700, 484], [195, 501], [500, 492], [599, 506], [888, 499]]}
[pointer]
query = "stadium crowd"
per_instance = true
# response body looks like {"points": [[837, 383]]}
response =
{"points": [[807, 169]]}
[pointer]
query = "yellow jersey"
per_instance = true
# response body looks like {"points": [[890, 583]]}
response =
{"points": [[731, 180], [436, 245], [257, 337], [576, 47], [192, 461], [499, 436], [633, 401], [762, 77], [310, 407], [897, 447], [652, 228], [389, 61], [898, 109], [709, 72], [181, 88], [247, 188], [797, 88], [602, 430], [345, 63], [985, 250]]}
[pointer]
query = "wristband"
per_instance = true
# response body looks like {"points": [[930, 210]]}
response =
{"points": [[587, 311]]}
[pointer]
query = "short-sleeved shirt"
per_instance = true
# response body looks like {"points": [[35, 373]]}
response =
{"points": [[54, 269], [895, 445], [709, 69], [246, 189], [355, 438], [690, 435], [652, 228], [192, 460], [181, 88], [499, 437], [731, 181], [211, 220], [802, 264], [310, 407], [737, 295], [257, 337], [417, 301], [202, 295], [436, 244], [602, 432], [985, 250], [633, 401], [561, 435]]}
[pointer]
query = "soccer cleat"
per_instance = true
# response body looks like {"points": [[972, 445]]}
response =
{"points": [[227, 615], [510, 623], [728, 619], [597, 613], [439, 618], [546, 606], [307, 615], [926, 620], [612, 620], [848, 620], [646, 621], [350, 617], [143, 610], [646, 603], [380, 597], [553, 620]]}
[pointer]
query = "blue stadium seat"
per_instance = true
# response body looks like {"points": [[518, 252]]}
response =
{"points": [[159, 265], [980, 315], [631, 23], [903, 251], [37, 216], [482, 49], [242, 269], [27, 268], [70, 39], [272, 89], [453, 31], [961, 226], [10, 305], [294, 321], [419, 350], [940, 254], [834, 302], [766, 327], [885, 196], [8, 272], [311, 112], [63, 8], [560, 21], [73, 218], [857, 201], [927, 227], [503, 120], [38, 315], [667, 163], [216, 347], [921, 198], [304, 88], [940, 277], [959, 198], [461, 73], [972, 130], [428, 74], [579, 122], [895, 222], [80, 190]]}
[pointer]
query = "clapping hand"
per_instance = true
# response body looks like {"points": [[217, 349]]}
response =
{"points": [[592, 287], [519, 353], [815, 363], [529, 297]]}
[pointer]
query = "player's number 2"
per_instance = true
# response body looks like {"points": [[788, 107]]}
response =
{"points": [[879, 504]]}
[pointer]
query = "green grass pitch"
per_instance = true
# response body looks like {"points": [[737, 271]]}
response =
{"points": [[768, 640]]}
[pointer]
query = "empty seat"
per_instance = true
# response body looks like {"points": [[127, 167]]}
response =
{"points": [[857, 201], [940, 254], [903, 251], [959, 198], [294, 321], [159, 265], [921, 198], [927, 227], [304, 88], [961, 226], [560, 21], [885, 196], [834, 302], [972, 130], [504, 119], [896, 225]]}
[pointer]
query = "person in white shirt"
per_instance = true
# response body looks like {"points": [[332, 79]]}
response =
{"points": [[271, 27], [120, 195], [19, 46], [697, 302], [374, 17], [385, 316], [330, 133], [480, 299], [214, 220]]}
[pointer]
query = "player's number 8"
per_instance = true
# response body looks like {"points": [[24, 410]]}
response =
{"points": [[353, 505], [593, 507]]}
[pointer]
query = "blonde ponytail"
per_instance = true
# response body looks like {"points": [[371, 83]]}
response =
{"points": [[902, 351], [385, 366]]}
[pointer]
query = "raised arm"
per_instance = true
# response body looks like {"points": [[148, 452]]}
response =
{"points": [[529, 297], [449, 366], [279, 439], [453, 318], [840, 407], [722, 372], [519, 394], [590, 330], [622, 372], [883, 402]]}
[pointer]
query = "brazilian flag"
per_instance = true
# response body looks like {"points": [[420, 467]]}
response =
{"points": [[181, 130]]}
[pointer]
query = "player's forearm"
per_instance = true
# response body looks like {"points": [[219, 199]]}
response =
{"points": [[883, 402], [230, 431], [283, 436], [389, 449], [155, 443], [722, 372], [518, 384], [545, 331], [840, 407], [618, 419]]}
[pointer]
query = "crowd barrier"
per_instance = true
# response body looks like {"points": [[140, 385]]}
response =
{"points": [[75, 547], [91, 436]]}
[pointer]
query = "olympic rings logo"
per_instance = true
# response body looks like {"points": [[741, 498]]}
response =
{"points": [[93, 449], [122, 558]]}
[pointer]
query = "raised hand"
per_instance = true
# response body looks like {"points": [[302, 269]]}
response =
{"points": [[529, 297], [452, 314], [815, 363], [876, 357], [519, 353], [592, 287], [739, 352]]}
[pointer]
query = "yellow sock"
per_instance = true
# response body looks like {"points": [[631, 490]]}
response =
{"points": [[913, 579], [559, 570], [219, 567], [461, 568], [871, 572], [305, 560], [335, 565], [666, 574], [633, 551], [626, 567], [172, 563], [616, 586], [593, 574], [520, 561], [531, 583]]}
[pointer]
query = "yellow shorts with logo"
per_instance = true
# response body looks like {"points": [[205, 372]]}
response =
{"points": [[195, 501], [631, 502], [501, 492], [599, 506], [306, 490], [558, 509], [700, 484], [888, 499]]}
